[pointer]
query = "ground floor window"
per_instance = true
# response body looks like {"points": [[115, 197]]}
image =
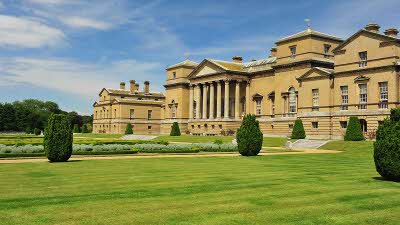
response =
{"points": [[315, 125], [343, 124], [363, 124]]}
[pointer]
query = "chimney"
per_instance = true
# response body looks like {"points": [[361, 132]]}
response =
{"points": [[373, 27], [132, 86], [136, 87], [122, 85], [391, 32], [273, 52], [237, 59], [146, 87]]}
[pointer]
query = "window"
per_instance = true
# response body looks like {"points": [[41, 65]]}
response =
{"points": [[292, 100], [314, 125], [107, 114], [173, 109], [293, 52], [290, 126], [343, 124], [220, 126], [315, 94], [383, 95], [192, 126], [198, 126], [194, 109], [258, 107], [363, 96], [364, 126], [273, 106], [344, 92], [174, 75], [149, 127], [213, 126], [326, 50], [149, 114], [131, 113], [363, 59]]}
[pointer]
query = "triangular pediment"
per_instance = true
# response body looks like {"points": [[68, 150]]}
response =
{"points": [[206, 68], [315, 73], [103, 90]]}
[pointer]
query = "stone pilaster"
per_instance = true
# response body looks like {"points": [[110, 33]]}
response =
{"points": [[237, 100], [226, 106], [205, 95], [211, 115], [219, 99], [191, 102], [198, 94]]}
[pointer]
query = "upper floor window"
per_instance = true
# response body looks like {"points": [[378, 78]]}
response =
{"points": [[383, 95], [292, 100], [326, 50], [104, 98], [363, 59], [258, 107], [174, 75], [344, 92], [292, 52], [273, 106], [115, 113], [131, 113], [315, 93], [149, 114], [363, 96], [173, 110]]}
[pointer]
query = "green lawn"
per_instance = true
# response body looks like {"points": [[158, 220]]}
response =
{"points": [[283, 189]]}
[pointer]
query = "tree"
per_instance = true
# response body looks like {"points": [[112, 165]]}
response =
{"points": [[298, 130], [76, 128], [85, 128], [249, 136], [387, 147], [129, 129], [58, 138], [353, 131], [8, 118], [175, 131], [37, 131]]}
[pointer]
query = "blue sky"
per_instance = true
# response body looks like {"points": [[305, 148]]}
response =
{"points": [[67, 50]]}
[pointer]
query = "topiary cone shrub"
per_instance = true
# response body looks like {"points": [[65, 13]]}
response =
{"points": [[76, 128], [298, 130], [249, 136], [353, 131], [175, 131], [58, 138], [387, 147], [129, 129]]}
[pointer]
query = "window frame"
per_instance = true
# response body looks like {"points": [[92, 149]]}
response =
{"points": [[149, 114], [363, 96], [315, 99], [363, 57], [383, 95], [344, 95], [293, 51], [258, 107]]}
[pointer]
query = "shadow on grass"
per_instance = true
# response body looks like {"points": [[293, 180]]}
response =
{"points": [[385, 180]]}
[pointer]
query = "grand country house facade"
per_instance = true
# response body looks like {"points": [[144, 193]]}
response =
{"points": [[316, 77]]}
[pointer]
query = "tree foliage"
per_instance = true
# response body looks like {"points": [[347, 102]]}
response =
{"points": [[58, 138], [298, 130], [175, 131], [353, 131], [85, 128], [128, 129], [77, 129], [249, 136], [387, 147]]}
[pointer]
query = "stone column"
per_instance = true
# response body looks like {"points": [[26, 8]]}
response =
{"points": [[198, 93], [226, 106], [205, 93], [191, 102], [237, 100], [248, 98], [211, 115], [219, 99]]}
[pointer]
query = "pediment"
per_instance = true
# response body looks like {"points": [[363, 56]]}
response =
{"points": [[103, 90], [315, 73], [206, 68]]}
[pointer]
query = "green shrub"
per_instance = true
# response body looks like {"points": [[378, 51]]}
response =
{"points": [[58, 138], [353, 131], [76, 128], [175, 131], [298, 130], [249, 136], [37, 131], [129, 129], [387, 148], [218, 142], [85, 129], [159, 148], [28, 130]]}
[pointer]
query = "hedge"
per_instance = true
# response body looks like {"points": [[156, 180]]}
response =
{"points": [[298, 130], [353, 131], [58, 138], [249, 136]]}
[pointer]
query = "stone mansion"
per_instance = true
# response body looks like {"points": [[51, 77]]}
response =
{"points": [[319, 78]]}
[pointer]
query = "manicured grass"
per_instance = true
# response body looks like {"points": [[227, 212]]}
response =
{"points": [[90, 135], [341, 188]]}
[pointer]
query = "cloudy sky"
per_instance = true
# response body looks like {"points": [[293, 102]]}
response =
{"points": [[67, 50]]}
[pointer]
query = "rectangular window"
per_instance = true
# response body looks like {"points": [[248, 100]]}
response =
{"points": [[149, 114], [363, 96], [344, 92], [383, 95], [315, 94], [363, 59], [326, 50], [131, 113], [293, 52], [290, 126], [174, 75], [149, 127], [343, 124], [273, 106], [258, 107], [315, 125]]}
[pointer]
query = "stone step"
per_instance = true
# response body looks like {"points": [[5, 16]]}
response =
{"points": [[304, 143]]}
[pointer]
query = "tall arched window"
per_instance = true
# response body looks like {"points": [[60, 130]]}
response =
{"points": [[173, 109], [292, 100]]}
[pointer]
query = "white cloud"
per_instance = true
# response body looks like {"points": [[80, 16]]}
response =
{"points": [[23, 32], [73, 77], [81, 22], [53, 2]]}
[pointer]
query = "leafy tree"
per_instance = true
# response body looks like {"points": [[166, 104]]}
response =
{"points": [[175, 131], [85, 128], [353, 131], [8, 117], [58, 138], [129, 129], [249, 136], [298, 130], [76, 128], [387, 147], [37, 131]]}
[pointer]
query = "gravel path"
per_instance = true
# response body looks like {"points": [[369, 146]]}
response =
{"points": [[141, 156]]}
